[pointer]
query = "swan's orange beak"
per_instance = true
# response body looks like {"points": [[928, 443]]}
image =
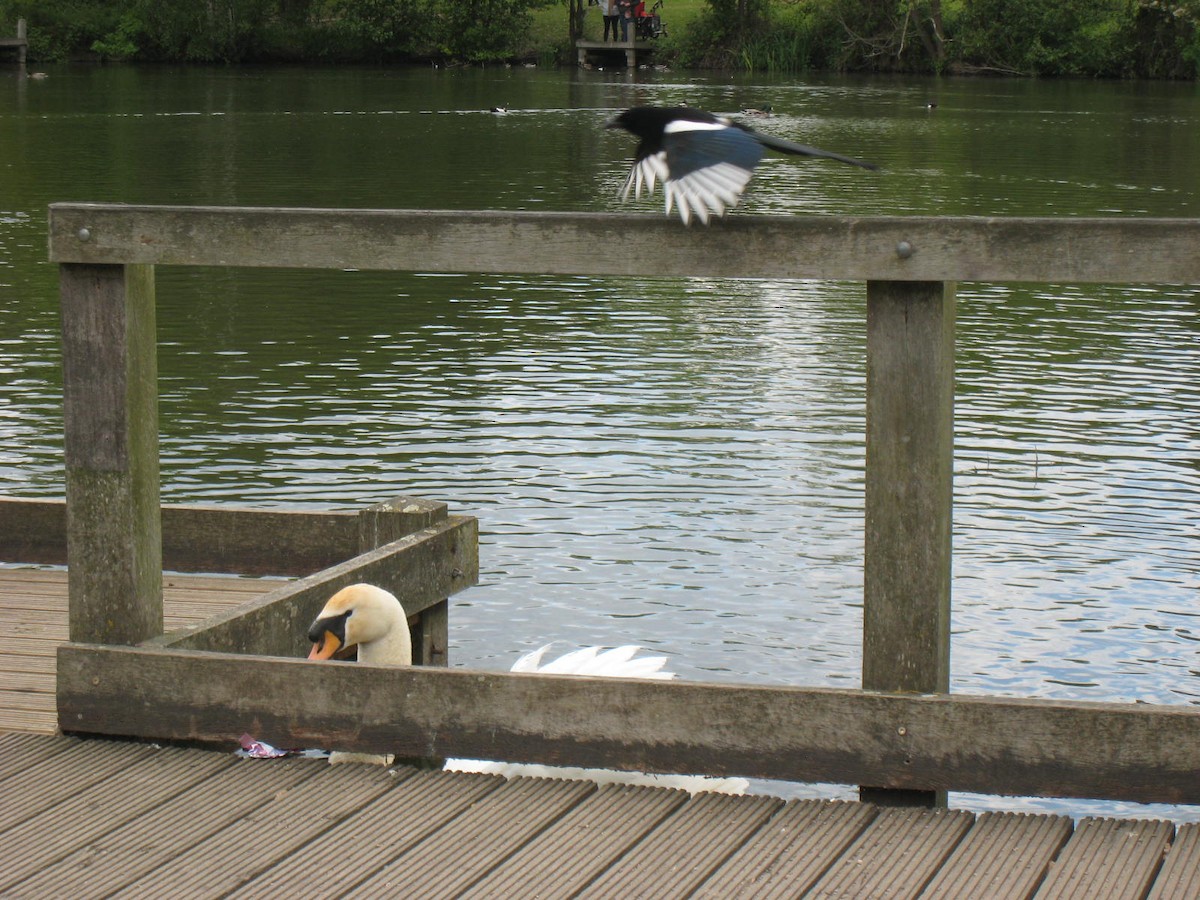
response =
{"points": [[325, 647]]}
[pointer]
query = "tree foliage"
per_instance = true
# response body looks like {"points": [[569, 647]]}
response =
{"points": [[242, 30], [1112, 38]]}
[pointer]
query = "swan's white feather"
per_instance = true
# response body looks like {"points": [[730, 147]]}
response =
{"points": [[619, 662]]}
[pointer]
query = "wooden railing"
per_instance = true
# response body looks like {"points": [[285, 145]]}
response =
{"points": [[903, 732], [411, 547]]}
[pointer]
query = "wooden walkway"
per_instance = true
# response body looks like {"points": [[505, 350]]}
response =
{"points": [[115, 819], [33, 622], [109, 818]]}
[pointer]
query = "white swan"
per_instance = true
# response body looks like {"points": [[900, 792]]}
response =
{"points": [[374, 620]]}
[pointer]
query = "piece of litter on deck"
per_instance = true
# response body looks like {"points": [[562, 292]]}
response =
{"points": [[256, 749]]}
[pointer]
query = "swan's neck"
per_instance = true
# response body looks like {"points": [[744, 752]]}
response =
{"points": [[393, 649]]}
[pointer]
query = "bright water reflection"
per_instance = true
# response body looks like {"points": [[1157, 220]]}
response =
{"points": [[676, 463]]}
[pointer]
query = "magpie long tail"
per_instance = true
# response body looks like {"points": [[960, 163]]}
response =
{"points": [[801, 150]]}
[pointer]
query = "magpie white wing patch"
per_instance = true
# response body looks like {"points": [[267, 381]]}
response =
{"points": [[704, 168], [646, 172], [715, 189]]}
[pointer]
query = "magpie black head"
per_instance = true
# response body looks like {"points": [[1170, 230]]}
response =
{"points": [[704, 161]]}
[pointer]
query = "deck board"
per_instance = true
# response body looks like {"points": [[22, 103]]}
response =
{"points": [[683, 852], [581, 845], [438, 798], [1108, 858], [33, 622], [98, 818], [448, 861], [897, 854], [791, 852], [286, 823], [140, 779], [1003, 856], [1179, 878]]}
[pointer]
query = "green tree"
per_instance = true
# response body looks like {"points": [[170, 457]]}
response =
{"points": [[1036, 37]]}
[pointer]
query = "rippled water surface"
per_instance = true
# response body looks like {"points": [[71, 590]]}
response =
{"points": [[676, 463]]}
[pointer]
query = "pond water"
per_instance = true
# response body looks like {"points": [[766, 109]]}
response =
{"points": [[676, 463]]}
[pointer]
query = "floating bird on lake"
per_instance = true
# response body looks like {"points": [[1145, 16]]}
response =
{"points": [[763, 112], [374, 620], [500, 110], [704, 161]]}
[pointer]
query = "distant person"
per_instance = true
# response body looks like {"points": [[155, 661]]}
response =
{"points": [[626, 7], [612, 12]]}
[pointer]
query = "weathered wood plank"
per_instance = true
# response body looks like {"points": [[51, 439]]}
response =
{"points": [[33, 531], [286, 823], [382, 523], [581, 845], [937, 742], [256, 541], [909, 476], [1115, 858], [693, 843], [1003, 857], [436, 798], [896, 855], [1179, 878], [223, 539], [445, 864], [791, 852], [421, 570], [110, 413], [944, 248], [153, 839]]}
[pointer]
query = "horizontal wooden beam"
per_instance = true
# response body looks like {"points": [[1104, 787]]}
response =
{"points": [[927, 742], [223, 539], [893, 248], [33, 531], [421, 569]]}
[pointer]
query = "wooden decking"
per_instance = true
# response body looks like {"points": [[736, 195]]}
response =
{"points": [[111, 818], [116, 819], [33, 622]]}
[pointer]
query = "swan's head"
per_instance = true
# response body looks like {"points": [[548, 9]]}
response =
{"points": [[366, 616]]}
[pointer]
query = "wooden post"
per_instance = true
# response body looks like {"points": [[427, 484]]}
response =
{"points": [[389, 521], [23, 48], [110, 413], [910, 445]]}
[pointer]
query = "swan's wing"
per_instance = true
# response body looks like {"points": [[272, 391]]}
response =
{"points": [[531, 660], [623, 662], [619, 662], [577, 662]]}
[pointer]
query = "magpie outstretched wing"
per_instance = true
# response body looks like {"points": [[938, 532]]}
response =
{"points": [[704, 161]]}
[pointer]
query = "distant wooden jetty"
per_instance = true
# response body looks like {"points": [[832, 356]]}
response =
{"points": [[598, 53], [20, 44]]}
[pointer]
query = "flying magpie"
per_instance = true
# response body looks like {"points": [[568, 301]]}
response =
{"points": [[704, 161]]}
